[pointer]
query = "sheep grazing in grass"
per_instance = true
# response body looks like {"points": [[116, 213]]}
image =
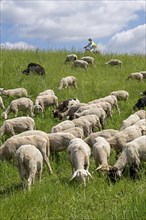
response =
{"points": [[79, 153], [114, 62], [18, 92], [140, 104], [8, 149], [17, 125], [84, 124], [101, 153], [121, 95], [138, 76], [133, 153], [119, 141], [2, 103], [30, 164], [131, 120], [64, 106], [94, 120], [70, 58], [77, 132], [81, 63], [34, 68], [21, 104], [68, 81], [44, 101], [88, 59]]}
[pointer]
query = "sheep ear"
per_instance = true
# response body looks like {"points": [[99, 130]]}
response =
{"points": [[98, 168], [89, 174], [73, 176]]}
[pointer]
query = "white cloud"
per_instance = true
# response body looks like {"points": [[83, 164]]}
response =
{"points": [[17, 45], [68, 20], [132, 41]]}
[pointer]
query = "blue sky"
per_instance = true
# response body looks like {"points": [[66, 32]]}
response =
{"points": [[117, 26]]}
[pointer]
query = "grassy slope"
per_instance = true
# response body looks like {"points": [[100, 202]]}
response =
{"points": [[55, 197]]}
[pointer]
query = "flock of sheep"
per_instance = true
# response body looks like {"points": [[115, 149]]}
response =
{"points": [[75, 134]]}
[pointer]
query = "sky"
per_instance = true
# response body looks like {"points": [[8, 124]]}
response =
{"points": [[117, 26]]}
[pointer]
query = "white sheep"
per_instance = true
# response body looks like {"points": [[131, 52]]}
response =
{"points": [[68, 81], [131, 120], [101, 153], [18, 92], [8, 149], [114, 62], [141, 114], [106, 134], [70, 58], [133, 153], [44, 101], [138, 76], [62, 126], [21, 104], [110, 99], [30, 164], [59, 141], [47, 92], [119, 141], [121, 95], [79, 153], [94, 120], [81, 63], [99, 112], [76, 131], [2, 103], [88, 59], [17, 125], [84, 124]]}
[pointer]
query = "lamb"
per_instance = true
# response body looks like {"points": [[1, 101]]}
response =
{"points": [[88, 59], [30, 164], [138, 76], [21, 104], [114, 62], [64, 106], [76, 131], [99, 112], [133, 153], [68, 81], [47, 92], [59, 141], [101, 153], [81, 63], [17, 125], [70, 58], [62, 126], [78, 154], [18, 92], [8, 149], [84, 124], [44, 101], [34, 68], [140, 104], [121, 95], [106, 134], [1, 103], [119, 141]]}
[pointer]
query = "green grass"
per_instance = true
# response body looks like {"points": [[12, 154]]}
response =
{"points": [[56, 198]]}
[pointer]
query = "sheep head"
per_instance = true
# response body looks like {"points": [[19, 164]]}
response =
{"points": [[81, 175]]}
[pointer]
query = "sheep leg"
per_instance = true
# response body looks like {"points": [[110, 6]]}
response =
{"points": [[46, 160]]}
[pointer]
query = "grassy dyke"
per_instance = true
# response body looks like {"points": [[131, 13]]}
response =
{"points": [[56, 198]]}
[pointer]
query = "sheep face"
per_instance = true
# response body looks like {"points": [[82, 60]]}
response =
{"points": [[81, 175]]}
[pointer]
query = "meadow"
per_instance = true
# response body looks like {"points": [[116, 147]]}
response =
{"points": [[56, 198]]}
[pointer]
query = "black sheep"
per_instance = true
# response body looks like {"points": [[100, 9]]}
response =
{"points": [[35, 68], [141, 103]]}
